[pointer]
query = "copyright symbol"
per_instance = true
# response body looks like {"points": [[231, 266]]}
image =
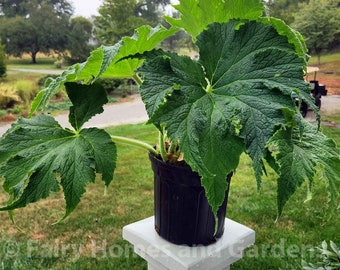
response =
{"points": [[10, 249]]}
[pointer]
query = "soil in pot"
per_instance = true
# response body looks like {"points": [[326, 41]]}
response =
{"points": [[182, 212]]}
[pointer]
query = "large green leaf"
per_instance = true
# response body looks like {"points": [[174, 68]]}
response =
{"points": [[41, 156], [294, 37], [197, 14], [52, 86], [229, 101], [251, 59], [87, 100], [303, 157], [38, 155], [145, 39], [107, 61]]}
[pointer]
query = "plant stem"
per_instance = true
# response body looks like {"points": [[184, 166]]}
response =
{"points": [[162, 147], [172, 147], [137, 79], [134, 142]]}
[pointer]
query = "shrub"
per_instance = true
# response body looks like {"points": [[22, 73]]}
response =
{"points": [[26, 90], [3, 113], [59, 64], [329, 258], [8, 96], [110, 84]]}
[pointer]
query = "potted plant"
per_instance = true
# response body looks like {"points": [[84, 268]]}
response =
{"points": [[236, 98]]}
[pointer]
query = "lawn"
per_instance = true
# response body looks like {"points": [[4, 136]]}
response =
{"points": [[91, 237], [25, 62]]}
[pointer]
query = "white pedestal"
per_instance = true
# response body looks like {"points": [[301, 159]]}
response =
{"points": [[163, 255]]}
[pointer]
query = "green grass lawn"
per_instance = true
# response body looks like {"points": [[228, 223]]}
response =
{"points": [[91, 238], [26, 63], [329, 57], [329, 67]]}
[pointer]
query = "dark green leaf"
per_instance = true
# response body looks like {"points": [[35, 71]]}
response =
{"points": [[302, 157], [293, 36], [52, 86], [40, 156], [87, 100]]}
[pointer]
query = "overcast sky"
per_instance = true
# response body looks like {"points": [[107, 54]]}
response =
{"points": [[87, 8]]}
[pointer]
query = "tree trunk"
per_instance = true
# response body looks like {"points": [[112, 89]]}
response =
{"points": [[34, 57], [318, 52], [319, 59]]}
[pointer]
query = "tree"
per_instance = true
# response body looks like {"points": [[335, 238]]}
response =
{"points": [[179, 40], [120, 18], [16, 35], [319, 22], [283, 9], [12, 8], [2, 61], [79, 39], [150, 9], [44, 30]]}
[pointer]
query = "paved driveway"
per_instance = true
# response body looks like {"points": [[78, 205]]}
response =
{"points": [[42, 71], [131, 112]]}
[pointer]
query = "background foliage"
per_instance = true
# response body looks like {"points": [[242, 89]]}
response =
{"points": [[2, 61], [319, 22], [39, 27], [79, 47], [13, 8], [119, 18]]}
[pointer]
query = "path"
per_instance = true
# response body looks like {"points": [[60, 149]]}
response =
{"points": [[130, 112], [329, 105], [42, 71]]}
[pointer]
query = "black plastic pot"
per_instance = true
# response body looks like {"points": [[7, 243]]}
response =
{"points": [[182, 212]]}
